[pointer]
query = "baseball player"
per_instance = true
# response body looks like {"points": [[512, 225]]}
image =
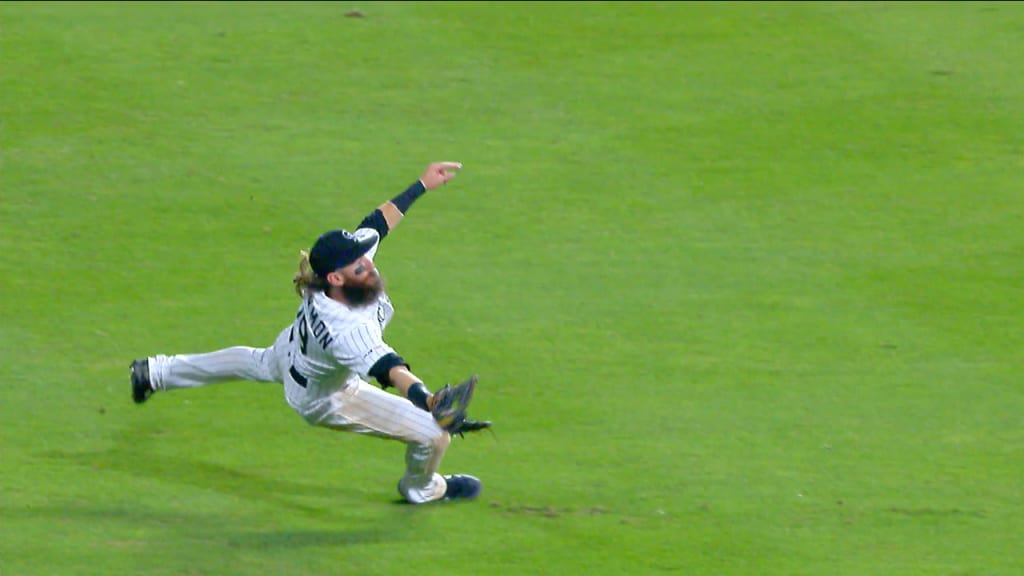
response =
{"points": [[326, 357]]}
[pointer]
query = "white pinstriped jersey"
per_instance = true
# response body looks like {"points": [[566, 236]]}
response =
{"points": [[331, 344]]}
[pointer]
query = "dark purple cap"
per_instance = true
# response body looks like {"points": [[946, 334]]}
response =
{"points": [[339, 248]]}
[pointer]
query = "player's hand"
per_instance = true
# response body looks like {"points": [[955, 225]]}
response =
{"points": [[439, 173]]}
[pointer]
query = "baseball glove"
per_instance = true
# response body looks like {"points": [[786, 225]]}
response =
{"points": [[470, 426], [450, 404]]}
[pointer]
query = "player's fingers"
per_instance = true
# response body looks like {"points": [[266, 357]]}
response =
{"points": [[448, 165]]}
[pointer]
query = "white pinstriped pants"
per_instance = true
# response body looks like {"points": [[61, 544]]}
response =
{"points": [[361, 407]]}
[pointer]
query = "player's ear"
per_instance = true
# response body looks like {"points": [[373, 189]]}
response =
{"points": [[335, 278]]}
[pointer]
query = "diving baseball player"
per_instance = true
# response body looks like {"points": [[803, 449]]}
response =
{"points": [[327, 356]]}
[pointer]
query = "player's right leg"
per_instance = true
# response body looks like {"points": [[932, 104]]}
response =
{"points": [[163, 372], [194, 370]]}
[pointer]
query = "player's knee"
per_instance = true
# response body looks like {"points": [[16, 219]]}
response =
{"points": [[439, 441], [444, 440]]}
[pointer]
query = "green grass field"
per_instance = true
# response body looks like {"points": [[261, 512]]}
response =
{"points": [[743, 282]]}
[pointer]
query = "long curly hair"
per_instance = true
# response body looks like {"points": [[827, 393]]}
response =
{"points": [[306, 279]]}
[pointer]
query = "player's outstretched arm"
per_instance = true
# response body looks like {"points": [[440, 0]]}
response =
{"points": [[436, 174], [447, 406], [403, 379]]}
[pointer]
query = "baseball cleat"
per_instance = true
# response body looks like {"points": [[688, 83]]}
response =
{"points": [[462, 486], [142, 388]]}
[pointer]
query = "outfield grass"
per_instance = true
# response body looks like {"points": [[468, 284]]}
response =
{"points": [[743, 284]]}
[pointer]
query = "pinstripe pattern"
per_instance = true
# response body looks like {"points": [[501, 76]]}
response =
{"points": [[331, 347], [194, 370], [365, 409]]}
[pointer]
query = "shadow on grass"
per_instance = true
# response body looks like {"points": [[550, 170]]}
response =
{"points": [[212, 529], [135, 453], [154, 504], [205, 476]]}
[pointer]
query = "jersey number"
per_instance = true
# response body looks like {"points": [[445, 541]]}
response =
{"points": [[303, 341], [303, 334]]}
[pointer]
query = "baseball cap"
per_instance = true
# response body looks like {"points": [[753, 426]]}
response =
{"points": [[339, 248]]}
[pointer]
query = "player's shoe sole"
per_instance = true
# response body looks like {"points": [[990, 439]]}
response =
{"points": [[462, 487], [142, 388]]}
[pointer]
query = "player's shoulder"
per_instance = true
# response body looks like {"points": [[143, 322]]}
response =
{"points": [[356, 337]]}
